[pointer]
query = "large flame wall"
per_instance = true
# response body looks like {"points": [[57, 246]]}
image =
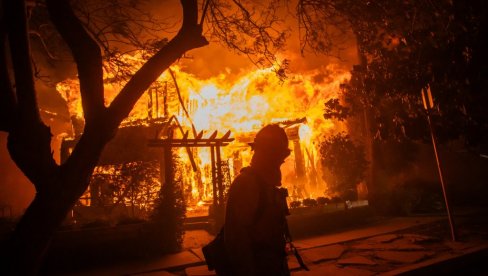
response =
{"points": [[241, 103]]}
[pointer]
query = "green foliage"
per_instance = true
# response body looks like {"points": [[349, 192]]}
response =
{"points": [[343, 163]]}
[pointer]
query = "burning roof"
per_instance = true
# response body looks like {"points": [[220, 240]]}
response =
{"points": [[241, 103]]}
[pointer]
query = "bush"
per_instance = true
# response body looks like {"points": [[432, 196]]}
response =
{"points": [[336, 199], [166, 222], [295, 204], [323, 200], [343, 163], [309, 202]]}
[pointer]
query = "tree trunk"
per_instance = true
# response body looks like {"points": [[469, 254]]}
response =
{"points": [[59, 186], [35, 230], [57, 192]]}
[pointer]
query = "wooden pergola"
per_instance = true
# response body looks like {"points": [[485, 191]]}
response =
{"points": [[213, 143]]}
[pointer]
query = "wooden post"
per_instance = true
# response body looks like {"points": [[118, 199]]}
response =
{"points": [[150, 104], [214, 180], [168, 166], [219, 210], [219, 176], [157, 103], [299, 185], [214, 144], [165, 100], [167, 163]]}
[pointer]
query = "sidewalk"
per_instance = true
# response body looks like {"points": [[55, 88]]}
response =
{"points": [[389, 245]]}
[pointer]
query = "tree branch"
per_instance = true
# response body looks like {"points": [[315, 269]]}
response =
{"points": [[87, 55], [43, 43], [190, 14], [7, 96], [27, 108], [29, 140], [189, 37]]}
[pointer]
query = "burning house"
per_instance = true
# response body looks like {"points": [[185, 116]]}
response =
{"points": [[207, 125]]}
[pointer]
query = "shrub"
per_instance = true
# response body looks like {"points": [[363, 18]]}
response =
{"points": [[323, 200], [295, 204], [309, 202], [343, 163], [336, 199]]}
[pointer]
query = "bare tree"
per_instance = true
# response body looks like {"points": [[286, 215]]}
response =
{"points": [[324, 26], [58, 186]]}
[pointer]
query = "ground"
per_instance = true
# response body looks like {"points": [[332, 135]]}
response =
{"points": [[196, 239], [390, 246], [383, 245]]}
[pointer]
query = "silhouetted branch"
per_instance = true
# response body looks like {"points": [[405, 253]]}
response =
{"points": [[7, 96], [32, 156], [254, 33], [323, 25], [120, 22], [43, 43], [117, 25], [15, 14], [86, 53], [189, 37]]}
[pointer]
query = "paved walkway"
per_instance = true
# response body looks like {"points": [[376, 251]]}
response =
{"points": [[378, 248]]}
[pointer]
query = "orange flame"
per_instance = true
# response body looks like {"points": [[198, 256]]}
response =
{"points": [[242, 104]]}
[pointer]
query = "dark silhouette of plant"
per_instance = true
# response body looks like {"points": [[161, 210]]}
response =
{"points": [[343, 163], [166, 228], [323, 200], [295, 204], [402, 47], [334, 110], [133, 184], [309, 202]]}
